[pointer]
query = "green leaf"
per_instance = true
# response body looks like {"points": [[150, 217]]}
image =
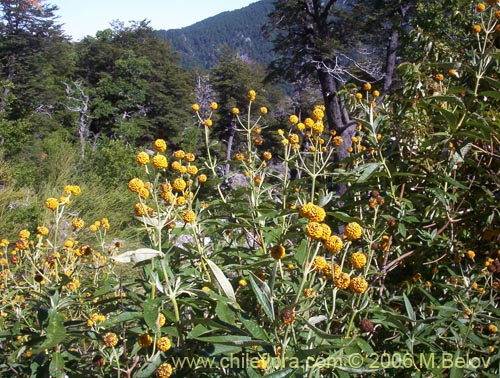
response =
{"points": [[225, 313], [254, 328], [366, 171], [56, 367], [222, 280], [455, 371], [123, 317], [409, 308], [56, 332], [150, 310], [232, 340], [263, 294]]}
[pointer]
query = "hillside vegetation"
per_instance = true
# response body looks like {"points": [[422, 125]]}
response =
{"points": [[333, 214]]}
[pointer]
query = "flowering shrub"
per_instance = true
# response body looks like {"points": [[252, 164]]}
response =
{"points": [[279, 275]]}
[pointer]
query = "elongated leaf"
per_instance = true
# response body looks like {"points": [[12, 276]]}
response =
{"points": [[263, 294], [232, 340], [409, 308], [222, 280], [366, 172], [56, 366], [56, 332], [150, 311], [138, 255]]}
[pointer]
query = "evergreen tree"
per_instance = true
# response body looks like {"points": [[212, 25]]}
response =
{"points": [[34, 57], [138, 89]]}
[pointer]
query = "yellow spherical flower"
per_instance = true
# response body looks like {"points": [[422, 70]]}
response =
{"points": [[51, 203], [42, 230], [142, 158], [293, 138], [179, 154], [318, 114], [333, 244], [159, 145], [144, 193], [278, 252], [235, 111], [72, 189], [327, 231], [367, 86], [439, 77], [314, 230], [144, 340], [243, 283], [202, 178], [358, 285], [337, 141], [22, 245], [293, 119], [318, 127], [208, 123], [309, 122], [192, 170], [161, 319], [492, 328], [179, 185], [77, 223], [480, 7], [190, 157], [376, 93], [195, 107], [214, 105], [267, 155], [180, 201], [359, 96], [470, 254], [262, 364], [176, 166], [263, 110], [135, 185], [476, 28], [313, 212], [353, 231], [164, 370], [24, 234], [251, 95], [358, 260], [139, 210], [342, 280], [163, 344], [188, 216], [110, 339]]}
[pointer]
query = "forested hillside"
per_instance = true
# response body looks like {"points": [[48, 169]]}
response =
{"points": [[333, 213], [238, 31]]}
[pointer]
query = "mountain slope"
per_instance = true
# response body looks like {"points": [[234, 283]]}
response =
{"points": [[238, 30]]}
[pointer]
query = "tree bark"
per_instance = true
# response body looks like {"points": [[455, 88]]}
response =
{"points": [[338, 118]]}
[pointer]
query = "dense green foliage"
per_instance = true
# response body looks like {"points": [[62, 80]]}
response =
{"points": [[161, 222], [240, 30]]}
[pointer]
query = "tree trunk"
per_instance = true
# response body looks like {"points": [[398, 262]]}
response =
{"points": [[338, 118]]}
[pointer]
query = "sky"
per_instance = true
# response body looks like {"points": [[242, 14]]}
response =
{"points": [[86, 17]]}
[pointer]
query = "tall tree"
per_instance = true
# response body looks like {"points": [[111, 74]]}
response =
{"points": [[334, 41], [34, 57], [138, 89]]}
